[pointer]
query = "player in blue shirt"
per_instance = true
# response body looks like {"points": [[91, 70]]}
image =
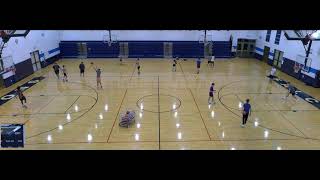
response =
{"points": [[245, 112]]}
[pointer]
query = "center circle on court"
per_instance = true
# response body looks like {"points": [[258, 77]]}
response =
{"points": [[151, 103]]}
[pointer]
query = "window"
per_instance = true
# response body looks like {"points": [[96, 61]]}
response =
{"points": [[278, 35], [268, 35], [245, 46]]}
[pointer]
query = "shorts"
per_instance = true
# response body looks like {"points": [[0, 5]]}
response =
{"points": [[82, 71], [198, 66], [65, 75], [271, 76], [138, 67], [23, 98], [293, 93], [57, 72], [211, 94], [98, 79]]}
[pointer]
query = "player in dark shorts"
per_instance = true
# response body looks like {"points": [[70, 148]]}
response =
{"points": [[56, 69], [211, 61], [174, 65], [211, 92], [245, 112], [98, 71], [291, 90], [138, 65], [65, 74], [21, 97], [82, 68], [198, 65]]}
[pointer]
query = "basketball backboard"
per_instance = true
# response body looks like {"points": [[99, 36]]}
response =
{"points": [[16, 33], [301, 34]]}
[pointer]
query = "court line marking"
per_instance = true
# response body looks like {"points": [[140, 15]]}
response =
{"points": [[195, 102], [115, 120], [31, 114], [46, 104], [279, 112], [125, 93], [72, 104], [52, 129], [182, 141], [159, 112], [236, 109], [228, 84], [137, 103]]}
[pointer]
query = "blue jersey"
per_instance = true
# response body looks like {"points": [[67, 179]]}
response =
{"points": [[246, 107]]}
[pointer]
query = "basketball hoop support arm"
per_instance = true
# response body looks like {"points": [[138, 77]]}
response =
{"points": [[308, 52], [110, 36], [205, 35]]}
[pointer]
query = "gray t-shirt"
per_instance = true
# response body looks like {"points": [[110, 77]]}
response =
{"points": [[291, 88]]}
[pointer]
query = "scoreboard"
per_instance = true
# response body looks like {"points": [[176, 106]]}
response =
{"points": [[12, 135]]}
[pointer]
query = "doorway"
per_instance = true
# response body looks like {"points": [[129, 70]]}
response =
{"points": [[266, 52], [35, 60], [278, 58]]}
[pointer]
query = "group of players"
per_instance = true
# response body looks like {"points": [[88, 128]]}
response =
{"points": [[246, 109]]}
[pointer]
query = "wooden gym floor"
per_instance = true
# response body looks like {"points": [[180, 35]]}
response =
{"points": [[192, 125]]}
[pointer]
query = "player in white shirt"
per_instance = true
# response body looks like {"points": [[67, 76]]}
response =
{"points": [[211, 61]]}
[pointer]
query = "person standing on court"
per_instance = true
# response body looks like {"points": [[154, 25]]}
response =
{"points": [[65, 74], [138, 65], [198, 65], [56, 69], [291, 90], [21, 97], [98, 71], [211, 61], [82, 68], [174, 65], [272, 72], [211, 92], [245, 112]]}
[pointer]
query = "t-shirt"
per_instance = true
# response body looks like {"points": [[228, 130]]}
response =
{"points": [[20, 95], [246, 107], [56, 67], [198, 62], [291, 88], [212, 58], [273, 71], [211, 90], [81, 66], [98, 72], [64, 70]]}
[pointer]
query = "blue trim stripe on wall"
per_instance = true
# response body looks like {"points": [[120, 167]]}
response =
{"points": [[54, 50], [312, 70], [259, 49], [41, 55]]}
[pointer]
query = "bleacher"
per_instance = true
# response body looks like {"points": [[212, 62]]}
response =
{"points": [[146, 49]]}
